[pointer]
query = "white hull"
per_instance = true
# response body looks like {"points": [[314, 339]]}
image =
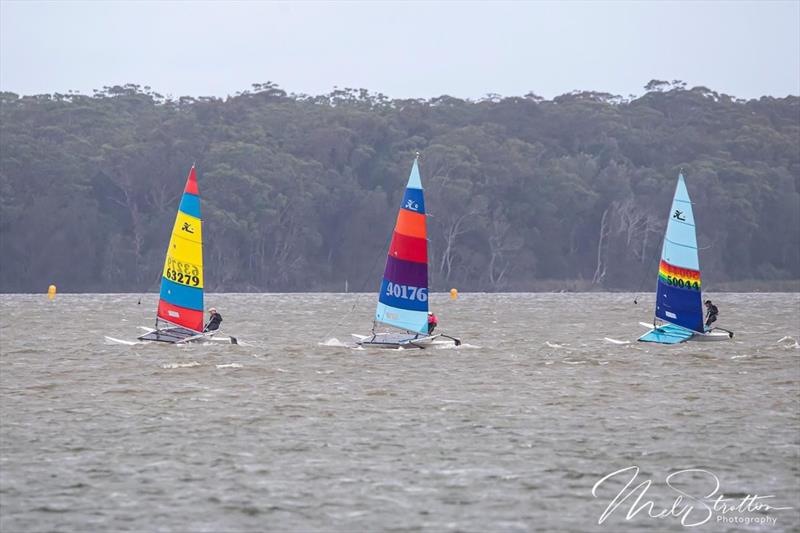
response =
{"points": [[713, 335], [201, 338], [121, 341], [710, 336], [394, 340]]}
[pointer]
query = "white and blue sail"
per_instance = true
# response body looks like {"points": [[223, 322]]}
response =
{"points": [[678, 294]]}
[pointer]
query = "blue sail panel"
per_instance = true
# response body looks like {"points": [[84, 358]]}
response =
{"points": [[414, 200], [679, 305], [416, 321], [414, 180], [678, 294], [181, 295], [400, 296]]}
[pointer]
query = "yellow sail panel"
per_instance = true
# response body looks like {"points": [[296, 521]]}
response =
{"points": [[184, 263], [188, 227]]}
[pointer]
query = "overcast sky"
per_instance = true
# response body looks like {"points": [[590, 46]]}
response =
{"points": [[402, 49]]}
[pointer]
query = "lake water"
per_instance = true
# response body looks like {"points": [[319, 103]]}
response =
{"points": [[290, 431]]}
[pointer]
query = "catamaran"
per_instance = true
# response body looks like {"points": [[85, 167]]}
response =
{"points": [[179, 317], [679, 302], [403, 297]]}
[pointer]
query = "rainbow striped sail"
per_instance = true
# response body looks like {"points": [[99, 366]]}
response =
{"points": [[678, 296], [181, 299], [403, 298]]}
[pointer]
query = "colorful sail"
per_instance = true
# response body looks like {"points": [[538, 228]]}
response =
{"points": [[403, 298], [678, 296], [181, 301]]}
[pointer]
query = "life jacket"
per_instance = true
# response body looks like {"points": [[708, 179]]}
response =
{"points": [[432, 320]]}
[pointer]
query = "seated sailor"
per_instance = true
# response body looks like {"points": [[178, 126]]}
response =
{"points": [[213, 321]]}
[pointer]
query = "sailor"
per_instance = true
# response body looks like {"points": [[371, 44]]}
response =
{"points": [[214, 320], [711, 313], [432, 322]]}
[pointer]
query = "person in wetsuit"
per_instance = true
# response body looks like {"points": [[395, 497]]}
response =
{"points": [[711, 313], [213, 321]]}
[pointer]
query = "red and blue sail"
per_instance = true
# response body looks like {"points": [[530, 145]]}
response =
{"points": [[403, 297], [181, 298], [678, 295]]}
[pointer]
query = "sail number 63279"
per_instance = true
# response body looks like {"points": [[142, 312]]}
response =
{"points": [[406, 292], [180, 277]]}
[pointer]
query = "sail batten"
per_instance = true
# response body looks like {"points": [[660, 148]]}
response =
{"points": [[679, 290], [403, 296], [181, 297]]}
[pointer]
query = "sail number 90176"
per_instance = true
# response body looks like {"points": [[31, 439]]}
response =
{"points": [[406, 292]]}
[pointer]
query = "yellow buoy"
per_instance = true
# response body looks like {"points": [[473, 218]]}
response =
{"points": [[453, 294], [51, 292]]}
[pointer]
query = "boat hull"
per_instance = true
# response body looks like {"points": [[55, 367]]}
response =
{"points": [[395, 340], [711, 336], [672, 334], [180, 335]]}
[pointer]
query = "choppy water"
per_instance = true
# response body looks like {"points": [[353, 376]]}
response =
{"points": [[507, 433]]}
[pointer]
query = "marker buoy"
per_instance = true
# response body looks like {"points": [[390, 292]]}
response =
{"points": [[453, 294], [51, 292]]}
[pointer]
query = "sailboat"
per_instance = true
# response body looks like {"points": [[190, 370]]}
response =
{"points": [[179, 317], [679, 302], [403, 296]]}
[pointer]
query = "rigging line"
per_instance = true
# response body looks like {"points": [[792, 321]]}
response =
{"points": [[367, 277], [139, 301], [645, 272]]}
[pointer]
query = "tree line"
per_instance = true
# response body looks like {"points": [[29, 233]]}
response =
{"points": [[300, 192]]}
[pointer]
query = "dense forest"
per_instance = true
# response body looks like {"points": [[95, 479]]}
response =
{"points": [[300, 192]]}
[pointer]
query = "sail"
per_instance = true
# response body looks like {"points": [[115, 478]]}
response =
{"points": [[678, 296], [403, 298], [181, 299]]}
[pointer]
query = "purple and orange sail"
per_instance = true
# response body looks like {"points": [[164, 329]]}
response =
{"points": [[181, 298], [403, 297]]}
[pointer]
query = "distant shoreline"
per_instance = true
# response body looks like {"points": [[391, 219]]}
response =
{"points": [[787, 287]]}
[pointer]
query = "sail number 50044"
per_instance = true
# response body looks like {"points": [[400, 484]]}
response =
{"points": [[677, 282], [406, 292]]}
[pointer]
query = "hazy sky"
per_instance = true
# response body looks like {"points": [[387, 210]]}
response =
{"points": [[402, 49]]}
